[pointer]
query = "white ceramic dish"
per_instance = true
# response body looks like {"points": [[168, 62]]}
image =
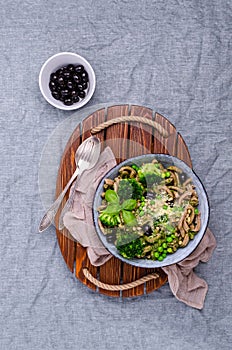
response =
{"points": [[57, 61]]}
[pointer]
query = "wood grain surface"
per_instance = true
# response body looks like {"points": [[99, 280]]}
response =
{"points": [[126, 140]]}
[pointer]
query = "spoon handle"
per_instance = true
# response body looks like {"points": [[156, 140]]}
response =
{"points": [[51, 212]]}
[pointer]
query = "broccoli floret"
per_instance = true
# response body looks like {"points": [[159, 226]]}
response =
{"points": [[129, 245], [109, 220], [130, 188], [150, 174]]}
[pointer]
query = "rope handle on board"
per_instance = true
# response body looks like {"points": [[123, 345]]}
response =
{"points": [[118, 287], [127, 118]]}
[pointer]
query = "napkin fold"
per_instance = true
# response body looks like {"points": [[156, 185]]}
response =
{"points": [[184, 283], [79, 221]]}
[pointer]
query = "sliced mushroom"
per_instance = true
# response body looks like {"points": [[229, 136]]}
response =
{"points": [[175, 188], [191, 215], [188, 181], [166, 189], [154, 161], [131, 172], [101, 227], [181, 222], [152, 239], [194, 201], [185, 240], [109, 182], [175, 168], [198, 223], [169, 180], [101, 207], [116, 184], [184, 196], [185, 226], [173, 176], [147, 249]]}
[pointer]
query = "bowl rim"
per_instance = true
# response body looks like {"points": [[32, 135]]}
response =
{"points": [[50, 99], [146, 263]]}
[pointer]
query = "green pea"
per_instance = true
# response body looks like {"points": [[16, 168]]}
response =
{"points": [[169, 239], [141, 213], [164, 245], [163, 175], [196, 211], [156, 255], [165, 206], [135, 167], [165, 251], [142, 198], [167, 174], [173, 236], [164, 255], [160, 258], [169, 250], [160, 249]]}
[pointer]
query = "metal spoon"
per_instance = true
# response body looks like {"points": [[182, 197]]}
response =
{"points": [[86, 157]]}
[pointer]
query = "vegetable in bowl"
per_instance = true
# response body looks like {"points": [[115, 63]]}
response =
{"points": [[151, 211]]}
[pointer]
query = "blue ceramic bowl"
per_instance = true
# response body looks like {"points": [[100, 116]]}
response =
{"points": [[181, 253]]}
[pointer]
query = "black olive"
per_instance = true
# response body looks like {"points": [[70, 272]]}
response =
{"points": [[56, 95], [85, 80], [147, 229], [79, 68], [70, 67], [80, 87], [85, 85], [81, 94], [76, 78], [70, 84], [52, 86], [61, 80], [53, 77], [60, 71], [66, 74], [75, 99], [84, 75], [74, 93], [64, 92], [68, 102]]}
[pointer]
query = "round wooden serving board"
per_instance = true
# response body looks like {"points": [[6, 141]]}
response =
{"points": [[118, 137]]}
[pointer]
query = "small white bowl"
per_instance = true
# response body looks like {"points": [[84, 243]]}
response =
{"points": [[57, 61]]}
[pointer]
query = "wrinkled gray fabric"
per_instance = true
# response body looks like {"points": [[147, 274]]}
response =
{"points": [[172, 56]]}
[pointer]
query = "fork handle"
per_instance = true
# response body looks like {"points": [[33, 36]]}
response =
{"points": [[68, 205], [51, 212]]}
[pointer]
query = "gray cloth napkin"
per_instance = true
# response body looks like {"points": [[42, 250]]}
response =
{"points": [[184, 283]]}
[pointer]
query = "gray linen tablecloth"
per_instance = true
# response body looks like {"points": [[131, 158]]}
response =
{"points": [[172, 56]]}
